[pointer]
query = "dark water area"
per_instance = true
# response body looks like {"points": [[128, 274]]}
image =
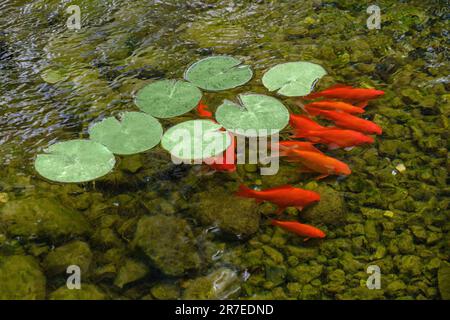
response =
{"points": [[151, 229]]}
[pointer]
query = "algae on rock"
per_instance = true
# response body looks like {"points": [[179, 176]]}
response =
{"points": [[74, 253], [233, 215], [21, 279], [444, 280], [329, 210], [87, 292], [220, 284], [43, 218], [169, 244]]}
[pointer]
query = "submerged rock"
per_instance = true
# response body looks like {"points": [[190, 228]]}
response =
{"points": [[165, 291], [361, 293], [131, 271], [233, 215], [74, 253], [43, 218], [87, 292], [329, 210], [169, 243], [305, 273], [444, 280], [220, 284], [21, 279]]}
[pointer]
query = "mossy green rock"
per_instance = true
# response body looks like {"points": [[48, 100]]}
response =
{"points": [[305, 273], [43, 218], [130, 271], [21, 279], [444, 280], [329, 210], [411, 265], [220, 284], [361, 293], [285, 175], [74, 253], [165, 291], [86, 292], [396, 288], [169, 243], [233, 215]]}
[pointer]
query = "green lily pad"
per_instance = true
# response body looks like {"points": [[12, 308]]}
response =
{"points": [[135, 132], [168, 98], [218, 73], [75, 161], [257, 115], [293, 79], [195, 140]]}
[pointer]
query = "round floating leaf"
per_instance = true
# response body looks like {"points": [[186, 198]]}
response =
{"points": [[135, 132], [218, 73], [195, 139], [293, 79], [75, 161], [258, 115], [168, 98]]}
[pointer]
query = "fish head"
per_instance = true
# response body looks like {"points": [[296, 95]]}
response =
{"points": [[343, 169], [367, 139], [314, 196], [377, 93], [320, 234], [377, 129]]}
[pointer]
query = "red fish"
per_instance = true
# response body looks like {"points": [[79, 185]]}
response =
{"points": [[203, 110], [319, 162], [227, 161], [303, 230], [303, 122], [344, 92], [335, 138], [335, 105], [348, 121], [283, 197]]}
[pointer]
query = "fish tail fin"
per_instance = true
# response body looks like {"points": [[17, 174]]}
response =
{"points": [[362, 104], [245, 191], [300, 133], [203, 110], [313, 111], [300, 104], [312, 96], [280, 210], [274, 222]]}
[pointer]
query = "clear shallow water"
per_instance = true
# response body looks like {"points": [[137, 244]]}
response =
{"points": [[122, 46]]}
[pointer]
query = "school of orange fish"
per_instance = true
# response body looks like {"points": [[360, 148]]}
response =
{"points": [[339, 105]]}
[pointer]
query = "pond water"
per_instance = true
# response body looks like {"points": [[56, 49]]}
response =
{"points": [[155, 230]]}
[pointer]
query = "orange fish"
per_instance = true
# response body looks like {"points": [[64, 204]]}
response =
{"points": [[301, 229], [203, 110], [227, 160], [334, 137], [335, 105], [319, 162], [303, 122], [348, 121], [344, 92], [283, 197], [285, 146]]}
